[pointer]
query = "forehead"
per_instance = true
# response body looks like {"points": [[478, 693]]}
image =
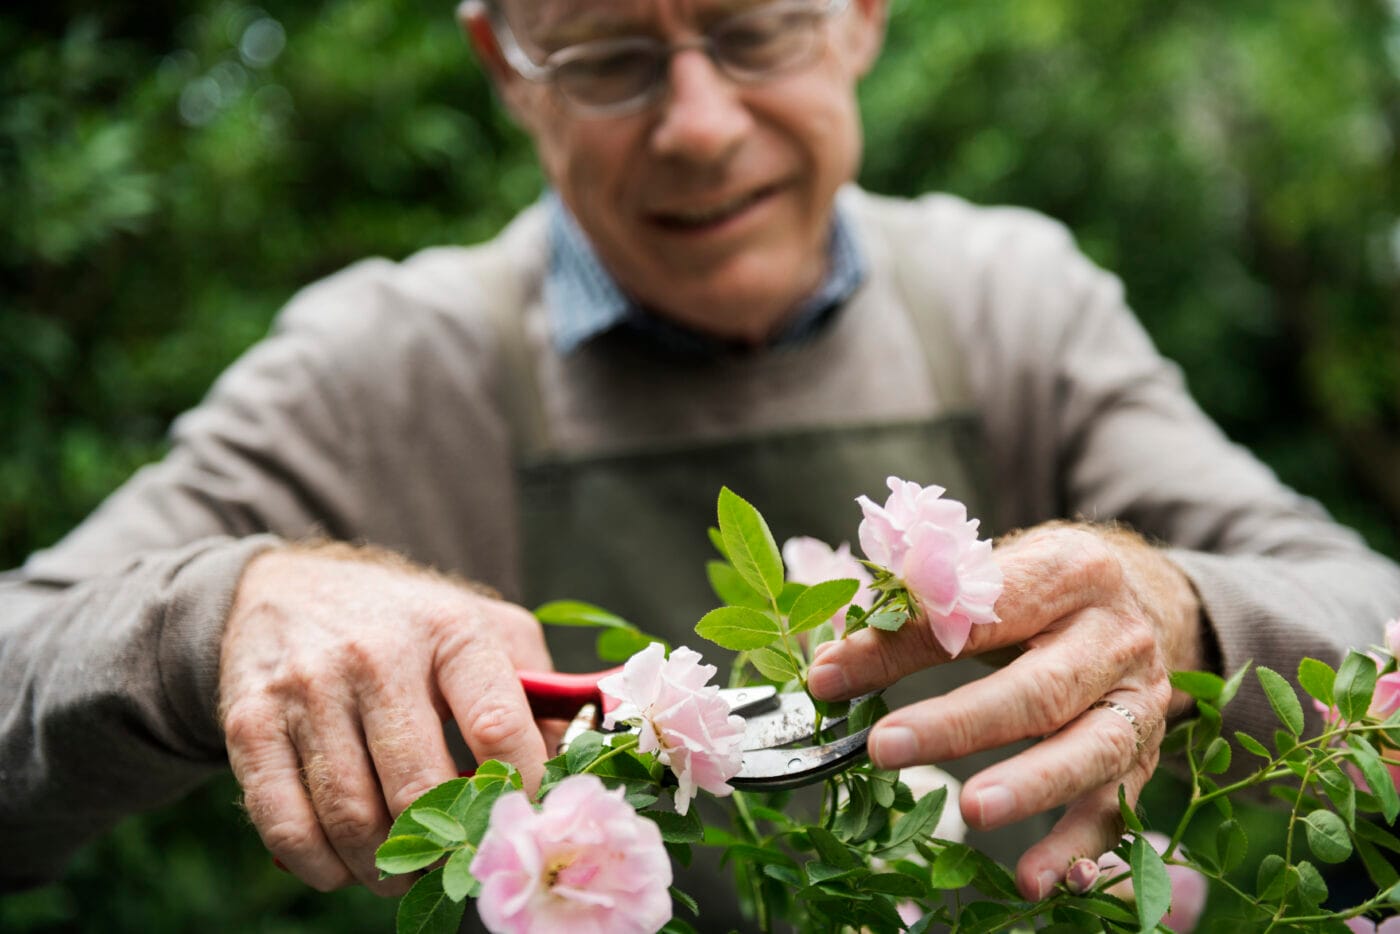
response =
{"points": [[559, 22]]}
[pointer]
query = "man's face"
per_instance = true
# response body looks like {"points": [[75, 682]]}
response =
{"points": [[713, 205]]}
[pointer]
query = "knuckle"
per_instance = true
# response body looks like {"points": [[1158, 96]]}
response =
{"points": [[248, 723], [352, 824], [287, 838], [1051, 704], [410, 792], [492, 724]]}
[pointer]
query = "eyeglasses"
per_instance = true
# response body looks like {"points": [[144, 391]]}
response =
{"points": [[611, 77]]}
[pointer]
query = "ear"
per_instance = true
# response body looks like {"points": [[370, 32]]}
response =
{"points": [[866, 34]]}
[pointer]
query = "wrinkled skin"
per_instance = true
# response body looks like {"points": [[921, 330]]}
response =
{"points": [[338, 669], [1098, 614]]}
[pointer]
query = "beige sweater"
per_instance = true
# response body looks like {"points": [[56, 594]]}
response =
{"points": [[375, 411]]}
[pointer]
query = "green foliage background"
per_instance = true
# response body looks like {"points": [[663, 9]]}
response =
{"points": [[171, 172]]}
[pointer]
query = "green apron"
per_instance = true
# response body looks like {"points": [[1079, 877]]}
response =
{"points": [[626, 530]]}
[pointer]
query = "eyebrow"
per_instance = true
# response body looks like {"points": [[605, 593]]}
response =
{"points": [[559, 23]]}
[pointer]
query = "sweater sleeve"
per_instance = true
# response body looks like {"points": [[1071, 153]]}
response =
{"points": [[1086, 419], [109, 641]]}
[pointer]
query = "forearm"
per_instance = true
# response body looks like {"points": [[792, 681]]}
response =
{"points": [[107, 696]]}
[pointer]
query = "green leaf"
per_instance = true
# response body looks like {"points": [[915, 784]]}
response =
{"points": [[457, 881], [1327, 836], [954, 867], [452, 796], [1231, 844], [578, 613], [441, 823], [896, 884], [919, 823], [1232, 685], [427, 909], [1380, 870], [1310, 883], [1272, 879], [1152, 887], [1340, 790], [1217, 756], [731, 588], [1316, 678], [738, 628], [820, 602], [717, 541], [831, 849], [685, 899], [1378, 777], [888, 620], [407, 854], [1252, 745], [1356, 681], [1282, 698], [774, 663], [618, 645], [750, 544], [1130, 818], [677, 828], [1202, 685], [1378, 835], [788, 598], [583, 749]]}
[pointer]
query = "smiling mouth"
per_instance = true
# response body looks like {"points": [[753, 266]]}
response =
{"points": [[714, 215]]}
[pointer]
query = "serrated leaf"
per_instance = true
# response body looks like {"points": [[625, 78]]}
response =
{"points": [[1282, 699], [1232, 685], [867, 712], [1271, 880], [717, 541], [831, 850], [426, 909], [1327, 836], [452, 796], [618, 645], [1316, 678], [1378, 777], [919, 823], [1252, 745], [820, 602], [1201, 685], [750, 544], [1231, 844], [583, 749], [685, 899], [738, 628], [788, 598], [732, 589], [1340, 790], [1380, 870], [457, 880], [407, 854], [677, 828], [954, 867], [1130, 818], [578, 613], [440, 823], [1152, 887], [1310, 884], [773, 663], [1217, 756], [886, 620], [1356, 682], [895, 883]]}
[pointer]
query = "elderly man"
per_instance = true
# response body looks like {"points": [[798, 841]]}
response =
{"points": [[701, 299]]}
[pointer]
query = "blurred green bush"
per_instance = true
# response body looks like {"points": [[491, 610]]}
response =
{"points": [[171, 172]]}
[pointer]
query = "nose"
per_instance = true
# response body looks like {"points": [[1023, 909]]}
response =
{"points": [[702, 118]]}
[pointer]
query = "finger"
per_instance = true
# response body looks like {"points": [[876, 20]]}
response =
{"points": [[1097, 748], [1090, 827], [1035, 695], [265, 763], [406, 744], [486, 698], [343, 787]]}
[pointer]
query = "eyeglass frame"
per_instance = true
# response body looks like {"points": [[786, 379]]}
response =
{"points": [[544, 72]]}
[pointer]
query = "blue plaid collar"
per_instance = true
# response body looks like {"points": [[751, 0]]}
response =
{"points": [[583, 301]]}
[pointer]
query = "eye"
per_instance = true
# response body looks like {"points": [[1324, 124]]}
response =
{"points": [[608, 74], [766, 38]]}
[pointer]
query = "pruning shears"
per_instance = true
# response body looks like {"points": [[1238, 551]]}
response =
{"points": [[776, 725]]}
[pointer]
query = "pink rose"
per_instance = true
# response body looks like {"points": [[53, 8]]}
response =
{"points": [[930, 545], [684, 720], [1392, 637], [585, 862], [812, 561], [1390, 925], [1188, 886]]}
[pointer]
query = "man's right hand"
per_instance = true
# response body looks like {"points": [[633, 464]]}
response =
{"points": [[338, 669]]}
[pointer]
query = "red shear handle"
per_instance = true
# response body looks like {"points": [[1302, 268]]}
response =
{"points": [[557, 695]]}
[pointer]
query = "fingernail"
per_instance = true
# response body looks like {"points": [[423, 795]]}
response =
{"points": [[994, 806], [1045, 883], [826, 680], [1082, 875], [894, 747]]}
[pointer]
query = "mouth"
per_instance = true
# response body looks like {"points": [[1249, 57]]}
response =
{"points": [[711, 216]]}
